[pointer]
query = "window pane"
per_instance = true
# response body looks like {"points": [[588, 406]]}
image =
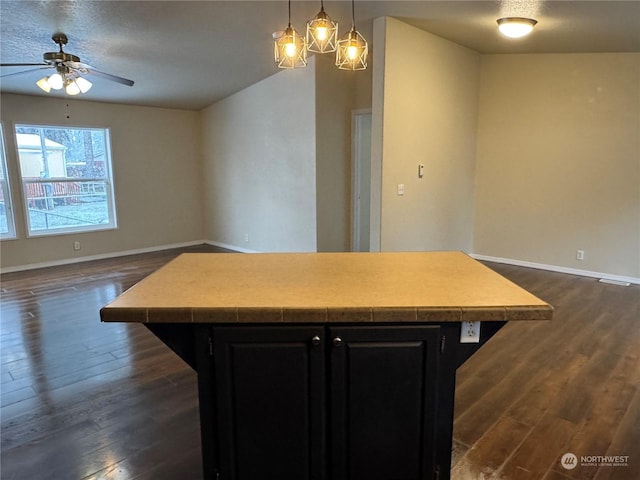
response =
{"points": [[66, 178], [7, 229], [4, 225], [56, 205]]}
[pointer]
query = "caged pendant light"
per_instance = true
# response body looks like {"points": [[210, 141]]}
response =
{"points": [[322, 33], [290, 48], [352, 50]]}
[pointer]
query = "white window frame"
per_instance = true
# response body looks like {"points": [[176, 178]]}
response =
{"points": [[6, 190], [107, 180]]}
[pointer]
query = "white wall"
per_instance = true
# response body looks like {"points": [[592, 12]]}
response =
{"points": [[559, 160], [424, 112], [157, 176], [259, 151]]}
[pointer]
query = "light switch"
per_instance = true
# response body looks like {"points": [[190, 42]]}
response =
{"points": [[420, 171], [401, 189]]}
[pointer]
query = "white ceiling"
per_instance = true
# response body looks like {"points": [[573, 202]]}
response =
{"points": [[189, 54]]}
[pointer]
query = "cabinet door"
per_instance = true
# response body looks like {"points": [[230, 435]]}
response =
{"points": [[383, 397], [271, 391]]}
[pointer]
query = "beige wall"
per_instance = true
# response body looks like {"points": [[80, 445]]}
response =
{"points": [[259, 150], [551, 141], [335, 93], [424, 112], [157, 176], [559, 160]]}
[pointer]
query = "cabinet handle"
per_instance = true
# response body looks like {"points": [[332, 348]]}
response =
{"points": [[337, 341], [315, 341]]}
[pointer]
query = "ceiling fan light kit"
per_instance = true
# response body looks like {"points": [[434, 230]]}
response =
{"points": [[68, 71], [516, 27]]}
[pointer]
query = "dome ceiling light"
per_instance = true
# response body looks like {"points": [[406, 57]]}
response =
{"points": [[516, 27]]}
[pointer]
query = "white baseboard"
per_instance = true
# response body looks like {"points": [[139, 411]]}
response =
{"points": [[102, 256], [555, 268], [230, 247], [508, 261]]}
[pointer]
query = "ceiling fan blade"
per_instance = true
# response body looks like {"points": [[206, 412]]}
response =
{"points": [[107, 76], [22, 64], [25, 71]]}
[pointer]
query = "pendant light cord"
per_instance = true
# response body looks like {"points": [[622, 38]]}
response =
{"points": [[353, 14]]}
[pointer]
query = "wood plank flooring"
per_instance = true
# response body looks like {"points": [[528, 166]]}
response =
{"points": [[85, 400]]}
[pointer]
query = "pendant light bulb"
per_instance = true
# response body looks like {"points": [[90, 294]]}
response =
{"points": [[290, 47], [352, 51], [322, 32]]}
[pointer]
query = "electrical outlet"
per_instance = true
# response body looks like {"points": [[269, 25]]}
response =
{"points": [[76, 246], [470, 332], [246, 237], [579, 254]]}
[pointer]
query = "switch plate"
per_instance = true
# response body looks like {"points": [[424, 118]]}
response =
{"points": [[401, 189], [470, 332], [420, 171]]}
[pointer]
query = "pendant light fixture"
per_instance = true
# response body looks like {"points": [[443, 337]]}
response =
{"points": [[516, 27], [290, 48], [352, 50], [322, 32]]}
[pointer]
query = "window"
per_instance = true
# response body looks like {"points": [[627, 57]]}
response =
{"points": [[7, 227], [66, 179]]}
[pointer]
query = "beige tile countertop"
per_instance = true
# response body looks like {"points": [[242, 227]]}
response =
{"points": [[325, 287]]}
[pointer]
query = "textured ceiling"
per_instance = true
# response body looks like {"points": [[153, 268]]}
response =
{"points": [[189, 54]]}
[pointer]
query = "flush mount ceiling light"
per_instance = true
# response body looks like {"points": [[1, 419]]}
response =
{"points": [[516, 27], [322, 33], [352, 49], [289, 47]]}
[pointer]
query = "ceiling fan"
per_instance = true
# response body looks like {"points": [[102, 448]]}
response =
{"points": [[68, 68]]}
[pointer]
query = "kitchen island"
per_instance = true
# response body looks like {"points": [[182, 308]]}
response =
{"points": [[325, 365]]}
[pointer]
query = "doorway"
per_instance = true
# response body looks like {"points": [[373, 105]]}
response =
{"points": [[361, 180]]}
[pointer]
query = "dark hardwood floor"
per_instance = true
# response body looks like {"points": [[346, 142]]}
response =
{"points": [[86, 400]]}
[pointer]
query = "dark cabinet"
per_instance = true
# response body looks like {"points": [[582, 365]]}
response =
{"points": [[306, 402], [383, 402], [270, 392]]}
